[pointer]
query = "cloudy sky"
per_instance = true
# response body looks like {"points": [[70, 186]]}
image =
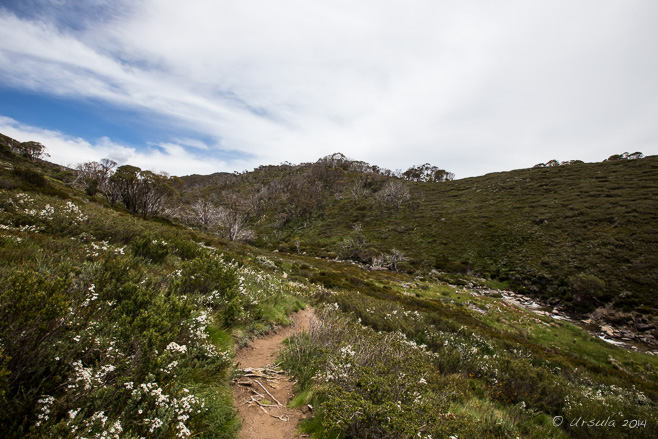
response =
{"points": [[199, 86]]}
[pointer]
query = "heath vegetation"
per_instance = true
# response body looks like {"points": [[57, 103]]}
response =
{"points": [[124, 293]]}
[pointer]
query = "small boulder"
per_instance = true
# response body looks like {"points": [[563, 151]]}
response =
{"points": [[608, 330]]}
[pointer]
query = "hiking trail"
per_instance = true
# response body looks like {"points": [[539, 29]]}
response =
{"points": [[261, 395]]}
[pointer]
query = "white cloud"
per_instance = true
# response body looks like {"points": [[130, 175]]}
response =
{"points": [[470, 86], [168, 157]]}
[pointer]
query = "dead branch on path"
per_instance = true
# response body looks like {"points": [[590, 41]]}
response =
{"points": [[260, 403], [268, 392]]}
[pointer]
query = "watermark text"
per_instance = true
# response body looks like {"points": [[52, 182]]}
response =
{"points": [[609, 422]]}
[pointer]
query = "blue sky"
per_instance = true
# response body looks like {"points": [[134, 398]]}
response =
{"points": [[216, 85], [84, 118]]}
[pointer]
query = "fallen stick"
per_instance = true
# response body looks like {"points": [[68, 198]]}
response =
{"points": [[251, 389], [268, 392], [258, 394], [260, 403]]}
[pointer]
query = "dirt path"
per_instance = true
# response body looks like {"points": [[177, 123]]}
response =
{"points": [[266, 418]]}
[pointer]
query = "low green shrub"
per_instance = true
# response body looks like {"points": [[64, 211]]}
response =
{"points": [[150, 247], [521, 387], [184, 248], [30, 176]]}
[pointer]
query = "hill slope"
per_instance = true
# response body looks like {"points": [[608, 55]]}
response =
{"points": [[114, 324], [584, 234]]}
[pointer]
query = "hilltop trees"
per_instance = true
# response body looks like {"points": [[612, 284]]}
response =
{"points": [[95, 176], [141, 192], [30, 150], [286, 195], [334, 160], [553, 163], [625, 156], [427, 172]]}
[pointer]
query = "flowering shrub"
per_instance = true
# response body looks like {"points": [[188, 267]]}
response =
{"points": [[41, 213], [111, 326], [372, 365], [370, 384], [211, 282], [103, 351]]}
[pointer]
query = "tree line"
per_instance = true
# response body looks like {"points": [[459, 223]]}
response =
{"points": [[623, 156], [140, 191], [229, 203]]}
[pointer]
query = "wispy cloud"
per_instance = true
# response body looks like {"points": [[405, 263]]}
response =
{"points": [[470, 86]]}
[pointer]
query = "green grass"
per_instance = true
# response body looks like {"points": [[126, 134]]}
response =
{"points": [[221, 338], [280, 311], [302, 398]]}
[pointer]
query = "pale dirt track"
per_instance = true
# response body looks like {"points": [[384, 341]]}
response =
{"points": [[260, 422]]}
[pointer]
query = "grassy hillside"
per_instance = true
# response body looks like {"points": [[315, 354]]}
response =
{"points": [[114, 325], [584, 234]]}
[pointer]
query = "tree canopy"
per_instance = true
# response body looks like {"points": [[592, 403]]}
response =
{"points": [[427, 173]]}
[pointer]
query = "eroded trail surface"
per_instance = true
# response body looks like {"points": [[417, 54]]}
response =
{"points": [[262, 394]]}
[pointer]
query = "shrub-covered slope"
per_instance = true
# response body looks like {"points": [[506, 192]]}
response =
{"points": [[585, 233], [113, 325], [116, 326], [397, 356]]}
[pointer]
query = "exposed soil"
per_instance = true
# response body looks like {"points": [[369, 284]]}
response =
{"points": [[258, 393]]}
